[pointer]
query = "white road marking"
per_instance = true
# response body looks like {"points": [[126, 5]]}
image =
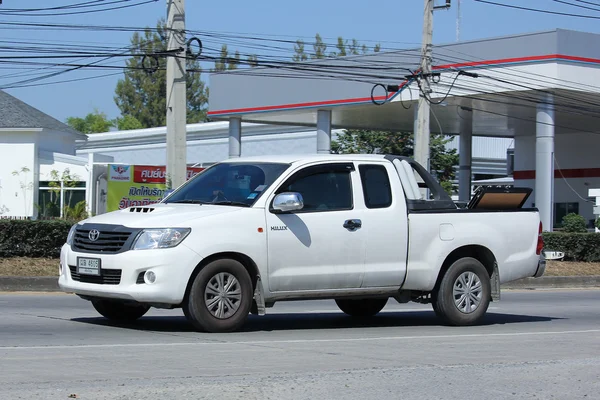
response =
{"points": [[294, 341], [337, 311]]}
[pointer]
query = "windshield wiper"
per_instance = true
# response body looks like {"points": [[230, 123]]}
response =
{"points": [[187, 201], [230, 203]]}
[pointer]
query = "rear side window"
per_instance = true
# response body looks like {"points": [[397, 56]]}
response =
{"points": [[376, 186]]}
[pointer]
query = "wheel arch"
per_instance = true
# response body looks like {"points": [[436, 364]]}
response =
{"points": [[478, 252], [243, 259]]}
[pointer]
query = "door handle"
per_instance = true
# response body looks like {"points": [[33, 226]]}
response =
{"points": [[352, 224]]}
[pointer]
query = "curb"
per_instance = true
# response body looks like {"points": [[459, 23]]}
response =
{"points": [[555, 282], [50, 283], [29, 284]]}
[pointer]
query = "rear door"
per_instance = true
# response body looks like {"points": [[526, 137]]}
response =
{"points": [[312, 249], [385, 223]]}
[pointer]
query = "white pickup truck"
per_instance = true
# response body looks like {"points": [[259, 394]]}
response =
{"points": [[249, 232]]}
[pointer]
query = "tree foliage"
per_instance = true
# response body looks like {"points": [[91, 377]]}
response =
{"points": [[142, 95], [225, 62], [319, 49], [363, 141], [94, 122], [98, 122]]}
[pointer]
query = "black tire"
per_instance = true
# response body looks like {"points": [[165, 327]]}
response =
{"points": [[198, 312], [361, 307], [443, 299], [120, 311]]}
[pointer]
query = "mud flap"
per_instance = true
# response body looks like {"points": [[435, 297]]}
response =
{"points": [[259, 301], [495, 283]]}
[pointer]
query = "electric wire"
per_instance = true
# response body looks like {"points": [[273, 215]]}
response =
{"points": [[537, 10], [83, 12]]}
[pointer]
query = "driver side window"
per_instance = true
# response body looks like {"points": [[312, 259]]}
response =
{"points": [[323, 188]]}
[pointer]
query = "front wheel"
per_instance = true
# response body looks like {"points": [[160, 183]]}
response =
{"points": [[116, 310], [362, 307], [464, 294], [220, 297]]}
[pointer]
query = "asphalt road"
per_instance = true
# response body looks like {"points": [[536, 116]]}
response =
{"points": [[533, 345]]}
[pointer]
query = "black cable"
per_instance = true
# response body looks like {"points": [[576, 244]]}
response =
{"points": [[88, 11], [537, 10], [373, 97], [63, 81], [587, 2], [86, 4], [576, 5]]}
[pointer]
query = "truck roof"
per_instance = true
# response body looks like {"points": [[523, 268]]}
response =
{"points": [[304, 158]]}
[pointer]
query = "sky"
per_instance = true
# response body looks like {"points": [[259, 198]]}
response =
{"points": [[395, 24]]}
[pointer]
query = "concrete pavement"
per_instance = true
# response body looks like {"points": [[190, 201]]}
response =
{"points": [[50, 283], [541, 344]]}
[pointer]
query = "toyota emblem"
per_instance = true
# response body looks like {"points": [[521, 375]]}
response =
{"points": [[94, 235]]}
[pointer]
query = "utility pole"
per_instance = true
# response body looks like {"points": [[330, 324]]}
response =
{"points": [[421, 152], [422, 133], [176, 95]]}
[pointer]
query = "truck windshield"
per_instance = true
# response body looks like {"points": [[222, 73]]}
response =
{"points": [[228, 183]]}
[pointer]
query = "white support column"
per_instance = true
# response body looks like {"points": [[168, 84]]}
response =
{"points": [[544, 160], [235, 137], [323, 131], [465, 156]]}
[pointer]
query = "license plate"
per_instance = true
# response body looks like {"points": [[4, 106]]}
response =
{"points": [[88, 266]]}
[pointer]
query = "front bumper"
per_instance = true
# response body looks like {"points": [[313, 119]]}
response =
{"points": [[172, 267], [541, 266]]}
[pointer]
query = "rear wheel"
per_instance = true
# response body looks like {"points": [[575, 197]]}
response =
{"points": [[220, 297], [464, 293], [361, 307], [116, 310]]}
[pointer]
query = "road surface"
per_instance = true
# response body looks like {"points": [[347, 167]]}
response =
{"points": [[533, 345]]}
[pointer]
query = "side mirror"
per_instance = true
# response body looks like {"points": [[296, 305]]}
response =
{"points": [[285, 202]]}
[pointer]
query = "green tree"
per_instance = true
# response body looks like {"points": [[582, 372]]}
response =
{"points": [[319, 51], [94, 122], [363, 141], [142, 95], [300, 54], [127, 122], [225, 62], [252, 60]]}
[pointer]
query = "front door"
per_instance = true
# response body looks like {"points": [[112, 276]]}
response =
{"points": [[311, 249]]}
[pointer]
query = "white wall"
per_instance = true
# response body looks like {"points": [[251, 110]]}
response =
{"points": [[572, 151], [58, 142], [18, 150], [211, 150], [77, 171], [577, 150]]}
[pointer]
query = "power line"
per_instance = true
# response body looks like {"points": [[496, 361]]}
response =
{"points": [[538, 10], [86, 12], [576, 5]]}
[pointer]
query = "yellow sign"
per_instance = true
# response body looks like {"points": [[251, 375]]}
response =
{"points": [[137, 185]]}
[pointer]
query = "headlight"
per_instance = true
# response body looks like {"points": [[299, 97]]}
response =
{"points": [[160, 238], [71, 234]]}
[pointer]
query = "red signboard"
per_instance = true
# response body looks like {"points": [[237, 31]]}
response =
{"points": [[157, 174]]}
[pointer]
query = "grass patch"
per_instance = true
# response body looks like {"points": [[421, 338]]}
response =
{"points": [[25, 266], [572, 268]]}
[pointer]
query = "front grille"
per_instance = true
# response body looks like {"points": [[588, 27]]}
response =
{"points": [[107, 276], [109, 241]]}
